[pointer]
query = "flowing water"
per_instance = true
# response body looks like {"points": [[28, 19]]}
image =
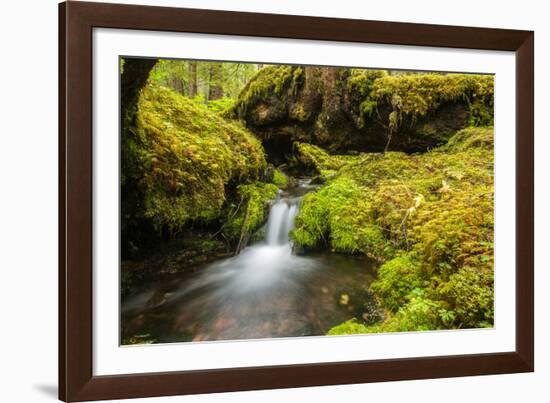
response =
{"points": [[265, 291]]}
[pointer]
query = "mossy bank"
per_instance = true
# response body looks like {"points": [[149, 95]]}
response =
{"points": [[427, 218]]}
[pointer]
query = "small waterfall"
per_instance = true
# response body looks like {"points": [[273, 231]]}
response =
{"points": [[265, 291], [281, 220]]}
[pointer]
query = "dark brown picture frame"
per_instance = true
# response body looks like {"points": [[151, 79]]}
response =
{"points": [[76, 23]]}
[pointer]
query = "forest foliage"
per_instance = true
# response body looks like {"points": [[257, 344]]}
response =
{"points": [[203, 81]]}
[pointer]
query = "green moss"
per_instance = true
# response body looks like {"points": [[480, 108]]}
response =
{"points": [[395, 194], [279, 178], [429, 217], [455, 231], [469, 294], [419, 314], [221, 106], [396, 279], [270, 80], [311, 224], [415, 95], [316, 159], [181, 156], [349, 327], [251, 211], [337, 216], [298, 113], [361, 83], [364, 109], [471, 137]]}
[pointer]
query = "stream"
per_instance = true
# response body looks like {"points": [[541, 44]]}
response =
{"points": [[265, 291]]}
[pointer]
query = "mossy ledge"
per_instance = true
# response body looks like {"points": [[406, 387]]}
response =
{"points": [[427, 218], [343, 109]]}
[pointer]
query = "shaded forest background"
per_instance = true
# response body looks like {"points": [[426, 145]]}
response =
{"points": [[215, 84]]}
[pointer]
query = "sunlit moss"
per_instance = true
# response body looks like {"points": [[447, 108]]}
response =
{"points": [[360, 84], [325, 220]]}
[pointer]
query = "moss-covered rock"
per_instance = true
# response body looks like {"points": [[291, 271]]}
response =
{"points": [[271, 81], [250, 212], [337, 216], [345, 109], [428, 216], [480, 137], [396, 279], [280, 179], [314, 159], [179, 163]]}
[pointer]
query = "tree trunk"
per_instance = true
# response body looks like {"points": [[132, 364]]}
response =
{"points": [[176, 83], [134, 76], [215, 90], [192, 79]]}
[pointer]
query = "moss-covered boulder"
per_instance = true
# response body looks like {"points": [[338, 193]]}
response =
{"points": [[342, 109], [180, 163]]}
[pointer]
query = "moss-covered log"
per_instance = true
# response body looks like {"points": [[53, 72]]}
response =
{"points": [[344, 109]]}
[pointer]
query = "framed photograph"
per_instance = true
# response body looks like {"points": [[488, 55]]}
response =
{"points": [[252, 201]]}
